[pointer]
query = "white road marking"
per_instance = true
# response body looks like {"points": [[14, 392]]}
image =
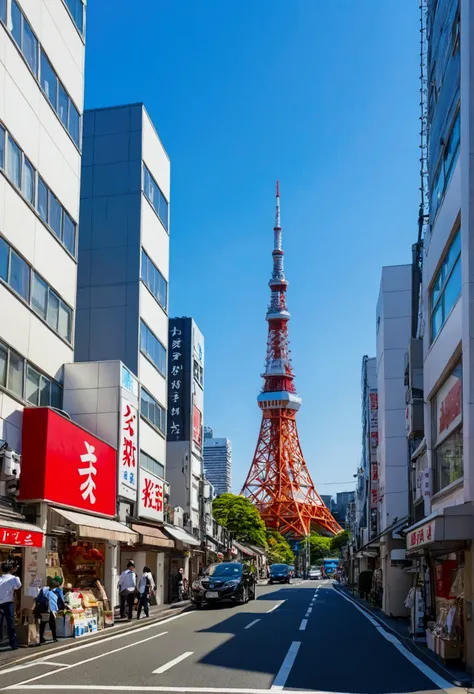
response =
{"points": [[88, 660], [283, 673], [252, 623], [308, 611], [303, 624], [425, 669], [275, 606], [180, 690], [15, 668], [171, 663]]}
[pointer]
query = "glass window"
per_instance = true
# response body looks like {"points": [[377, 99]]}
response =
{"points": [[151, 410], [49, 81], [155, 196], [14, 162], [28, 187], [53, 310], [76, 8], [32, 385], [15, 374], [449, 460], [152, 348], [149, 463], [446, 287], [63, 102], [74, 122], [42, 200], [19, 275], [39, 296], [55, 214], [3, 11], [4, 252], [154, 280], [2, 146], [451, 150], [64, 321], [30, 47], [45, 392], [3, 365], [56, 395], [69, 233], [16, 23]]}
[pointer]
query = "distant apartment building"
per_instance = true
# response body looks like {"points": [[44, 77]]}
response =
{"points": [[218, 462], [327, 501]]}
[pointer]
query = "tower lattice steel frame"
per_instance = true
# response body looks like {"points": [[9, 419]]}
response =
{"points": [[279, 483]]}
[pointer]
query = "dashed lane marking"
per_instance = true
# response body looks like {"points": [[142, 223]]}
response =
{"points": [[172, 663], [303, 624], [275, 606], [283, 673], [252, 623]]}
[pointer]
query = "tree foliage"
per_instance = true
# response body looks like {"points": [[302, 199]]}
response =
{"points": [[319, 548], [239, 516], [279, 550], [340, 540]]}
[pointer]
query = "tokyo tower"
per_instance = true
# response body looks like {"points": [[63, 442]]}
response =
{"points": [[279, 483]]}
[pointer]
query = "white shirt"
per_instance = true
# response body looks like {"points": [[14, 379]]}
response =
{"points": [[143, 579], [8, 585], [128, 580]]}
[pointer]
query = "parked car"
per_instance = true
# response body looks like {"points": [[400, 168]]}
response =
{"points": [[315, 573], [279, 573], [224, 582]]}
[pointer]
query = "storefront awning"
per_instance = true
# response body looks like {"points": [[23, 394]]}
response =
{"points": [[97, 527], [152, 536], [15, 533], [181, 535], [245, 550], [453, 524]]}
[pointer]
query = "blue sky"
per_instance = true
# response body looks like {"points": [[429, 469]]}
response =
{"points": [[322, 96]]}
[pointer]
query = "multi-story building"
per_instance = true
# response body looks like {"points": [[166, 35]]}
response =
{"points": [[42, 78], [218, 462], [122, 297], [327, 500]]}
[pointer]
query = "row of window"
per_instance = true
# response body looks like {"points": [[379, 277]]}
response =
{"points": [[155, 197], [76, 9], [152, 465], [24, 176], [22, 380], [35, 291], [152, 411], [446, 166], [447, 286], [41, 68], [152, 348], [154, 280]]}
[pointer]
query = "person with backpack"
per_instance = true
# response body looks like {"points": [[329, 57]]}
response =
{"points": [[49, 601], [145, 587], [127, 589]]}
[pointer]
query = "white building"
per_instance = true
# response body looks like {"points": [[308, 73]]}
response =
{"points": [[218, 463], [42, 87]]}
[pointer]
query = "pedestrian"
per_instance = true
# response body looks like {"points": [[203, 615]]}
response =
{"points": [[180, 584], [49, 601], [145, 587], [8, 584], [127, 589]]}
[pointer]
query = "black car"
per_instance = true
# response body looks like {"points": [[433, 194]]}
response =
{"points": [[280, 573], [224, 582]]}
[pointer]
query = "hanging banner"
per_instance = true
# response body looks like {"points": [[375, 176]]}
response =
{"points": [[127, 454]]}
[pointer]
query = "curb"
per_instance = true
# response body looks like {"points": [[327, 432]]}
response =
{"points": [[410, 644], [70, 644]]}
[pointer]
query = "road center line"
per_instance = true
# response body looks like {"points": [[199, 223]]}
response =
{"points": [[308, 611], [303, 624], [252, 623], [275, 606], [171, 663], [283, 673]]}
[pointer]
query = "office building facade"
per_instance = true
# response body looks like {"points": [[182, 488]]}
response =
{"points": [[218, 463]]}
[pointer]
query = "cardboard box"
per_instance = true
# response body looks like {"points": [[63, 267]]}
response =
{"points": [[27, 634], [449, 650]]}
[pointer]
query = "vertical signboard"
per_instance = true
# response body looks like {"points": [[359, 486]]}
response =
{"points": [[127, 453], [197, 426], [179, 380], [150, 502], [374, 442]]}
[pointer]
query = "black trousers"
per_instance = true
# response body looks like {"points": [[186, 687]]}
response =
{"points": [[143, 603], [127, 599], [52, 626]]}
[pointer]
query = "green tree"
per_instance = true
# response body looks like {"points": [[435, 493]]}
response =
{"points": [[279, 550], [340, 540], [239, 516], [319, 547]]}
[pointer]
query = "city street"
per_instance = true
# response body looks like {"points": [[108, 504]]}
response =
{"points": [[307, 636]]}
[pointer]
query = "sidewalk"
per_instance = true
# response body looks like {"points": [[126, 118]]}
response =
{"points": [[400, 628], [157, 614]]}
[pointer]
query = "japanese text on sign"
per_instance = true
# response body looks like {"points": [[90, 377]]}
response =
{"points": [[20, 538], [151, 496], [128, 477], [420, 536], [176, 385]]}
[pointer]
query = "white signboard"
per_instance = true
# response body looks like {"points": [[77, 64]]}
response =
{"points": [[150, 501], [127, 451]]}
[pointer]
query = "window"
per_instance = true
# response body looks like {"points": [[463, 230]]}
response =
{"points": [[33, 379], [39, 296], [76, 8], [149, 463], [446, 165], [3, 11], [63, 104], [152, 411], [3, 365], [15, 373], [446, 287], [155, 197], [152, 348], [37, 389], [30, 47], [19, 275], [16, 23], [55, 215], [53, 311], [42, 200], [2, 145], [28, 187], [64, 321], [49, 81], [14, 162], [74, 123], [154, 280], [69, 233], [4, 253]]}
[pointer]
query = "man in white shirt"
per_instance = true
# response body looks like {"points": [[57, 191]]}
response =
{"points": [[127, 589], [8, 585]]}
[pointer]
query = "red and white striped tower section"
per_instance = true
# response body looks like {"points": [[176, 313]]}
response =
{"points": [[279, 483]]}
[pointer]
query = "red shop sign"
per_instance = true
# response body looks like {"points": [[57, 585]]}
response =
{"points": [[20, 538], [64, 463]]}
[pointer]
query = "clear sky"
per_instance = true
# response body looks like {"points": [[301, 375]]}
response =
{"points": [[322, 95]]}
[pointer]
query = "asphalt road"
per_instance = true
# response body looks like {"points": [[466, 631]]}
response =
{"points": [[306, 636]]}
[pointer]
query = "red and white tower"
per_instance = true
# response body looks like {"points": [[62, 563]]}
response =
{"points": [[278, 482]]}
